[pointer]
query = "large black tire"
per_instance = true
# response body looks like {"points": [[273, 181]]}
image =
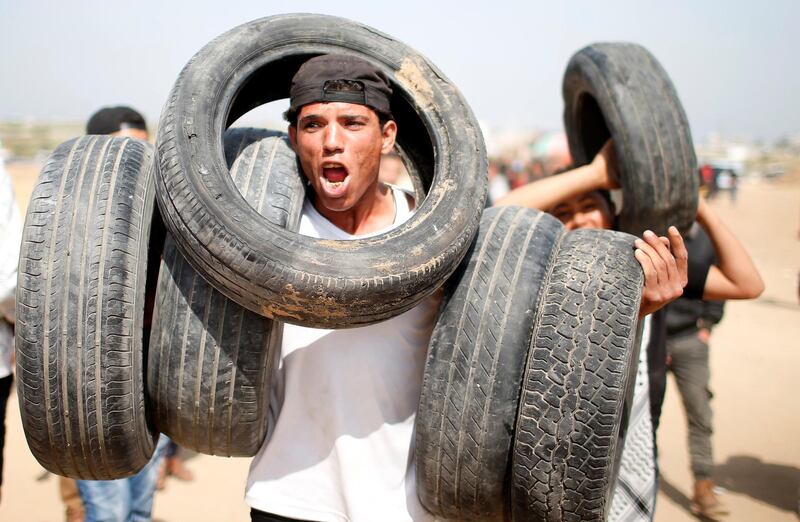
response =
{"points": [[620, 91], [80, 309], [299, 279], [476, 358], [211, 360], [578, 382]]}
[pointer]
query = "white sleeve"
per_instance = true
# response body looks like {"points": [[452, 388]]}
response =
{"points": [[10, 239]]}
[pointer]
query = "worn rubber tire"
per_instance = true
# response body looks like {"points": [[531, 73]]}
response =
{"points": [[236, 139], [578, 382], [210, 360], [473, 372], [80, 309], [619, 90], [299, 279]]}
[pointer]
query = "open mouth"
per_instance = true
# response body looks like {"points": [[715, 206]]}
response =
{"points": [[334, 175]]}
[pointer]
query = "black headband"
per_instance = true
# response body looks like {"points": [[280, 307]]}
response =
{"points": [[340, 78]]}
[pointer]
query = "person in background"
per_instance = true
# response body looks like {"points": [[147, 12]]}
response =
{"points": [[10, 238], [498, 183], [393, 172], [707, 179], [173, 466], [579, 198], [118, 121], [689, 324]]}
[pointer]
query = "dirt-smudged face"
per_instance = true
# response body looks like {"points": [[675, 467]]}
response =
{"points": [[590, 210], [339, 146]]}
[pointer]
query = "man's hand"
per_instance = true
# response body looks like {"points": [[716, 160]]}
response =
{"points": [[665, 263], [604, 167]]}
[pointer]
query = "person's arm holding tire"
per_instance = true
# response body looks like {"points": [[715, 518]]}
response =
{"points": [[663, 260], [734, 276], [545, 193]]}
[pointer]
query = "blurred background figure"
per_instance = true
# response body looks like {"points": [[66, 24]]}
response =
{"points": [[689, 324], [707, 186], [118, 121], [498, 183], [551, 152], [10, 238], [172, 466], [726, 180], [394, 172]]}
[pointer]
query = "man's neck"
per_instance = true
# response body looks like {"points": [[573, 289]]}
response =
{"points": [[373, 213]]}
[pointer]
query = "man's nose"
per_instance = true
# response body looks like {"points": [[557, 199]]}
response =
{"points": [[333, 142]]}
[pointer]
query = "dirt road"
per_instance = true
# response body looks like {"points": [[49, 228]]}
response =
{"points": [[755, 357]]}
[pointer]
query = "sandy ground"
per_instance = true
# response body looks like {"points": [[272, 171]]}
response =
{"points": [[755, 357]]}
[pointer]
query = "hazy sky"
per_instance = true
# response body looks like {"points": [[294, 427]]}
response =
{"points": [[734, 63]]}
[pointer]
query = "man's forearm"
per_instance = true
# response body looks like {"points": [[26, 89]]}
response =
{"points": [[548, 192], [737, 276]]}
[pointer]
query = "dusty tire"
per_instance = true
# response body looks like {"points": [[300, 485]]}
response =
{"points": [[578, 381], [236, 139], [210, 360], [619, 90], [298, 279], [80, 309], [473, 372]]}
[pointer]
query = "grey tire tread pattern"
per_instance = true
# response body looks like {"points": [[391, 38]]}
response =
{"points": [[80, 309], [236, 139], [578, 381], [644, 116], [473, 372], [211, 360], [299, 279]]}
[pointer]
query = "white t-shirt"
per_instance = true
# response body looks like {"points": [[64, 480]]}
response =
{"points": [[10, 239], [340, 444]]}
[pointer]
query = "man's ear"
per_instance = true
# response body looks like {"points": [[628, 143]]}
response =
{"points": [[292, 130], [389, 136]]}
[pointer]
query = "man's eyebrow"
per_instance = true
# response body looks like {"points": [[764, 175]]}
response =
{"points": [[312, 116], [354, 116]]}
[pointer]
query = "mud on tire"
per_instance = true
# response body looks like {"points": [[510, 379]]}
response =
{"points": [[298, 279]]}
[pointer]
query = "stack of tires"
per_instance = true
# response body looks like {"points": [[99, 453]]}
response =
{"points": [[135, 319]]}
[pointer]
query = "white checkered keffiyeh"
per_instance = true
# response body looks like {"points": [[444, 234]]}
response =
{"points": [[635, 491]]}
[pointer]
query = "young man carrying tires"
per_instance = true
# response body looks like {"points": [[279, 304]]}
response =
{"points": [[344, 402], [579, 198]]}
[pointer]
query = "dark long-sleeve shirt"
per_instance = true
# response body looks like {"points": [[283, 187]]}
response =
{"points": [[688, 314]]}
